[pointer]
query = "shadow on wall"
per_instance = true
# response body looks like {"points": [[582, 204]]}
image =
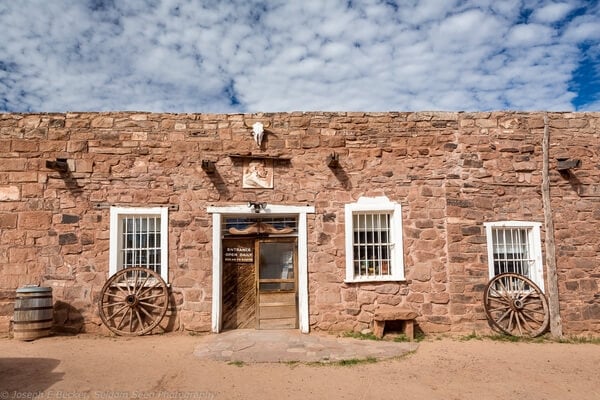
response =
{"points": [[170, 321], [67, 319], [28, 376]]}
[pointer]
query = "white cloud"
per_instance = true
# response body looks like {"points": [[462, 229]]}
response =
{"points": [[422, 11], [552, 12], [583, 29], [525, 35], [290, 55]]}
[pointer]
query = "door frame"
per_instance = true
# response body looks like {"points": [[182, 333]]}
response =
{"points": [[217, 261]]}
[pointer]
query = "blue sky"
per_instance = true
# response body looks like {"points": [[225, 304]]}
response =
{"points": [[299, 55]]}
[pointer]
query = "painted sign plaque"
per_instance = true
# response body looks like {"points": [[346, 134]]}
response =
{"points": [[238, 254]]}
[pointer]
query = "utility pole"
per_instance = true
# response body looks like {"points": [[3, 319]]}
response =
{"points": [[553, 301]]}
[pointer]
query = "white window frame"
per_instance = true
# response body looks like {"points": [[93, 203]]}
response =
{"points": [[536, 272], [380, 205], [116, 213]]}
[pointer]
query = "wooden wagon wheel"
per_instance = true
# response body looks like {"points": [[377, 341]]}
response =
{"points": [[133, 301], [516, 306]]}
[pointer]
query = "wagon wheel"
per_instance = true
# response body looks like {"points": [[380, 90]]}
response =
{"points": [[515, 305], [133, 301]]}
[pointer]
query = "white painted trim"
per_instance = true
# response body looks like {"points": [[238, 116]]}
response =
{"points": [[512, 224], [379, 204], [269, 209], [217, 267], [116, 212], [303, 321], [535, 247], [217, 272]]}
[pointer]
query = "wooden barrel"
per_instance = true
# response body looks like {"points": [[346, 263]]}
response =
{"points": [[33, 312]]}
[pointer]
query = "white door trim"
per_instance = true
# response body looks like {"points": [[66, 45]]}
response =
{"points": [[217, 266]]}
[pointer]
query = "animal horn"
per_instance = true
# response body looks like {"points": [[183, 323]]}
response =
{"points": [[248, 123]]}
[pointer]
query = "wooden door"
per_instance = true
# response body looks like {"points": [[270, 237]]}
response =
{"points": [[276, 284], [239, 284]]}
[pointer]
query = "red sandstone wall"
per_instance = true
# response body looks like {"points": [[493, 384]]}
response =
{"points": [[450, 171]]}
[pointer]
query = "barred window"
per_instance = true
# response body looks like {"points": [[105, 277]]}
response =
{"points": [[139, 238], [140, 242], [514, 246], [374, 240], [372, 246]]}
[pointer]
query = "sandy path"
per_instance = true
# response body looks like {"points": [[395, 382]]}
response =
{"points": [[92, 367]]}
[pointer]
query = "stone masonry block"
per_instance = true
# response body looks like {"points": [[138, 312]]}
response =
{"points": [[35, 220], [8, 221], [10, 193], [67, 238]]}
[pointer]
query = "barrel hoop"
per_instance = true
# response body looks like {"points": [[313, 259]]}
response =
{"points": [[32, 330], [46, 296], [33, 308], [33, 322]]}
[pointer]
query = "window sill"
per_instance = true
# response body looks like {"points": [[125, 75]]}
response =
{"points": [[149, 283], [375, 279]]}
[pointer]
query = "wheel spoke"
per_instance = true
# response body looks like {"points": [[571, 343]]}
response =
{"points": [[536, 311], [137, 314], [498, 300], [130, 320], [503, 316], [142, 309], [502, 288], [150, 304], [518, 321], [133, 281], [117, 312], [120, 289], [149, 288], [128, 283], [525, 314], [496, 310], [510, 321], [499, 294], [504, 291], [121, 320], [139, 291], [526, 323], [154, 296], [526, 294], [113, 295]]}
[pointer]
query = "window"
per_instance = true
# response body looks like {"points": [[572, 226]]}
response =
{"points": [[374, 240], [139, 238], [515, 246]]}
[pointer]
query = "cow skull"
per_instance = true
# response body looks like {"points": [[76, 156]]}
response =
{"points": [[258, 132]]}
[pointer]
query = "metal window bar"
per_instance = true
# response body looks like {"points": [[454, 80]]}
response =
{"points": [[511, 251], [140, 245], [371, 235]]}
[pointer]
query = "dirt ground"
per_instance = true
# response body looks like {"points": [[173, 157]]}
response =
{"points": [[164, 367]]}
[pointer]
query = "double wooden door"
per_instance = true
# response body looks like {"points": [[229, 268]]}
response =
{"points": [[260, 288]]}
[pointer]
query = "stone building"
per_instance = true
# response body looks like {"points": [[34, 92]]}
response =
{"points": [[353, 210]]}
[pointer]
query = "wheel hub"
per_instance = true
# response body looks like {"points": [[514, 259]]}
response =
{"points": [[131, 300], [517, 305]]}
